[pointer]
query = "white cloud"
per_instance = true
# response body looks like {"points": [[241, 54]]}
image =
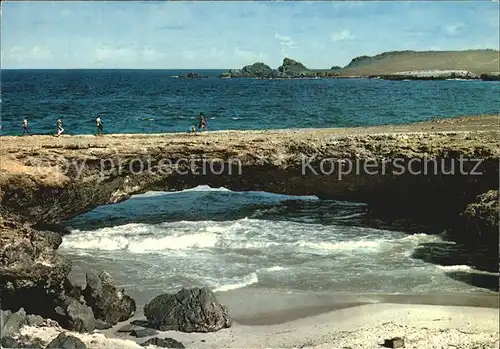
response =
{"points": [[108, 53], [286, 42], [190, 55], [149, 53], [215, 52], [249, 56], [123, 54], [454, 28], [36, 52], [342, 35]]}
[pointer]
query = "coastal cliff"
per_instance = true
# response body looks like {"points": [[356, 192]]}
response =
{"points": [[474, 62]]}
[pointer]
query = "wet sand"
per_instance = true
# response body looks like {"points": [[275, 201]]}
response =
{"points": [[365, 326], [269, 307]]}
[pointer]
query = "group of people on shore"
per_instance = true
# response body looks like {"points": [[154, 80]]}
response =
{"points": [[202, 124], [60, 129]]}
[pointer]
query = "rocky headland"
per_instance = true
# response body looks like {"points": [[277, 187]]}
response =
{"points": [[426, 65], [393, 65], [45, 180]]}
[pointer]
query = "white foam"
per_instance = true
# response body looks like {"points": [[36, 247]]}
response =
{"points": [[151, 194], [421, 237], [247, 281], [275, 268], [205, 188], [345, 245], [182, 242], [454, 267]]}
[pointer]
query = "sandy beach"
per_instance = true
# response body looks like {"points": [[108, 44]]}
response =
{"points": [[365, 326]]}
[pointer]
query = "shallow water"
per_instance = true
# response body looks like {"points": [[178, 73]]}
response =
{"points": [[227, 240]]}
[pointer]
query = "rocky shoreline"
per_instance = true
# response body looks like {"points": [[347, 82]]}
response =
{"points": [[292, 69], [34, 277]]}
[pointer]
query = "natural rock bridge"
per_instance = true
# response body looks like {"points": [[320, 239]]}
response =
{"points": [[45, 180], [427, 171]]}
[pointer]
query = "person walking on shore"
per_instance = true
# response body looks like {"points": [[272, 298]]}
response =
{"points": [[98, 122], [202, 122], [25, 127], [60, 128]]}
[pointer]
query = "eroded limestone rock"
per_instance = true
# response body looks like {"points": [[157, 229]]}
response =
{"points": [[189, 310]]}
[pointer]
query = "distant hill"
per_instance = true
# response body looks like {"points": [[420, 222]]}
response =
{"points": [[475, 61]]}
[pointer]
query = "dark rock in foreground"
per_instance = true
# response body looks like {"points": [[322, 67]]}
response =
{"points": [[14, 322], [78, 317], [395, 342], [143, 332], [189, 310], [164, 343], [34, 278], [63, 341], [32, 275], [480, 219], [108, 302], [102, 325], [10, 342]]}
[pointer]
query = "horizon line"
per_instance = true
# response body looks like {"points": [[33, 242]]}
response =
{"points": [[135, 68]]}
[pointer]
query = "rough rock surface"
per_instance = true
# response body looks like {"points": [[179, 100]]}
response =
{"points": [[14, 322], [192, 76], [109, 303], [189, 310], [33, 277], [143, 332], [258, 69], [163, 342], [11, 342], [290, 67], [481, 218], [32, 274], [77, 317], [274, 161], [64, 341]]}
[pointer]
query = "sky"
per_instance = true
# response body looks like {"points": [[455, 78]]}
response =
{"points": [[227, 34]]}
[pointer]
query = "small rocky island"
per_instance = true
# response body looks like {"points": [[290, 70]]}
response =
{"points": [[289, 69], [190, 76]]}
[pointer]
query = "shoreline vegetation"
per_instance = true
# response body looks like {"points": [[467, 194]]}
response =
{"points": [[42, 305], [394, 65]]}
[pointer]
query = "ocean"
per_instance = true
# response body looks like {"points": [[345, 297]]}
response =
{"points": [[152, 101], [159, 242]]}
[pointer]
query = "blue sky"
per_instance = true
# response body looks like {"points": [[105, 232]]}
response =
{"points": [[176, 34]]}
